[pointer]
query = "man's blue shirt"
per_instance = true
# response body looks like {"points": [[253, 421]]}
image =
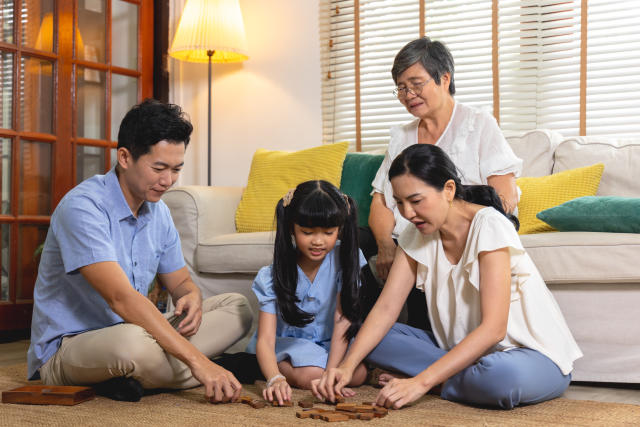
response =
{"points": [[93, 223]]}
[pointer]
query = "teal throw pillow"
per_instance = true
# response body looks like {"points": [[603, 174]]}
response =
{"points": [[610, 214], [358, 171]]}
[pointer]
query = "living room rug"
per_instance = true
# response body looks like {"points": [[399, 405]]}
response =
{"points": [[185, 408]]}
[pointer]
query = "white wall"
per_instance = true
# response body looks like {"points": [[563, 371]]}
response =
{"points": [[270, 101]]}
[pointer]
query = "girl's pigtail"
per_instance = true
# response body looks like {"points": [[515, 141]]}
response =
{"points": [[285, 271], [350, 264]]}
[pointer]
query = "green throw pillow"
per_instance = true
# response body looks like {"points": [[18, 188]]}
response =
{"points": [[358, 171], [609, 214]]}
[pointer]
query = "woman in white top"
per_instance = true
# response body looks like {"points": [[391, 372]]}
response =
{"points": [[499, 338], [423, 73]]}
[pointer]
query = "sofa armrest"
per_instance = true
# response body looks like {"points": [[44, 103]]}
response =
{"points": [[201, 213]]}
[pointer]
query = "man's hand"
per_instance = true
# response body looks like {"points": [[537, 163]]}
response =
{"points": [[400, 392], [386, 254], [191, 304], [220, 385]]}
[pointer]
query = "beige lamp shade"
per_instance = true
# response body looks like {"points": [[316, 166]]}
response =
{"points": [[210, 25]]}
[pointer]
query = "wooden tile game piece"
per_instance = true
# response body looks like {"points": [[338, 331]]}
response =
{"points": [[351, 415], [305, 403], [364, 408], [303, 414], [350, 407], [367, 416], [333, 417], [48, 395], [380, 411], [257, 404], [245, 399], [284, 403], [338, 399]]}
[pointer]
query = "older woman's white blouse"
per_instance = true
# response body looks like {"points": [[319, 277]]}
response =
{"points": [[453, 291], [473, 141]]}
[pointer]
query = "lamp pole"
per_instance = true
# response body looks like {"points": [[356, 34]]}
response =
{"points": [[210, 55]]}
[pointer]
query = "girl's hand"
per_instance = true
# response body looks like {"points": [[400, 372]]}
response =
{"points": [[279, 390], [333, 382], [400, 392]]}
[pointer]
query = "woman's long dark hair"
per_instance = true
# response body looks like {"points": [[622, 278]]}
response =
{"points": [[432, 165], [316, 204]]}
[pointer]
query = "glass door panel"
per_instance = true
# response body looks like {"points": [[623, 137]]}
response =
{"points": [[91, 103], [37, 24], [34, 196], [5, 266], [30, 238], [124, 95], [6, 21], [92, 24], [36, 100], [89, 162], [6, 90], [124, 31], [5, 175]]}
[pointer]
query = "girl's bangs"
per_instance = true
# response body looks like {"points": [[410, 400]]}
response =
{"points": [[318, 212]]}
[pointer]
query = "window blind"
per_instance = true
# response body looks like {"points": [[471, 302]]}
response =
{"points": [[613, 68], [566, 65]]}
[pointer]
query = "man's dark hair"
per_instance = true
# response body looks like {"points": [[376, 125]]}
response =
{"points": [[150, 122]]}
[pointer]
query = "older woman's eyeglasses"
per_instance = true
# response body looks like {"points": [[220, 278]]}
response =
{"points": [[415, 89]]}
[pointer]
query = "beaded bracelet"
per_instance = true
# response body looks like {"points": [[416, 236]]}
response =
{"points": [[274, 378]]}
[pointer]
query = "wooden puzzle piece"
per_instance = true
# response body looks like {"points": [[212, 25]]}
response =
{"points": [[284, 403], [333, 417], [305, 403]]}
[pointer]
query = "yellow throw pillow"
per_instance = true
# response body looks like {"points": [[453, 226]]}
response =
{"points": [[273, 173], [544, 192]]}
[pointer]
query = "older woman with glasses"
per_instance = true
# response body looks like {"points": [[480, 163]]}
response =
{"points": [[423, 73]]}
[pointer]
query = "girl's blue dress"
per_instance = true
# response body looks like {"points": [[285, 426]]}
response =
{"points": [[308, 345]]}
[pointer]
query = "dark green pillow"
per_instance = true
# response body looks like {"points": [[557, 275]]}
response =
{"points": [[358, 171], [609, 214]]}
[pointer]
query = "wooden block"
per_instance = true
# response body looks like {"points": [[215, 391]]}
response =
{"points": [[364, 408], [333, 417], [351, 415], [350, 407], [245, 399], [284, 403], [380, 411], [338, 399], [257, 404], [316, 414], [305, 403], [48, 395], [365, 416], [368, 403], [303, 414]]}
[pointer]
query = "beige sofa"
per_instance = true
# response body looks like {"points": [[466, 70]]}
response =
{"points": [[595, 277]]}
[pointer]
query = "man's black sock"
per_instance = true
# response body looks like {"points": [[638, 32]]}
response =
{"points": [[120, 388], [244, 366]]}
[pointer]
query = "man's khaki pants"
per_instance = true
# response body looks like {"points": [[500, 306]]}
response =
{"points": [[127, 350]]}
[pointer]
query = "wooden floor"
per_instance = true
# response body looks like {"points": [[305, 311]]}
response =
{"points": [[16, 352]]}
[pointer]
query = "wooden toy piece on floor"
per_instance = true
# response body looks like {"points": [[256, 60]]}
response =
{"points": [[351, 415], [349, 407], [284, 403], [48, 395], [380, 411], [305, 403], [257, 404], [334, 416], [309, 413], [337, 399], [367, 416], [364, 408], [245, 399]]}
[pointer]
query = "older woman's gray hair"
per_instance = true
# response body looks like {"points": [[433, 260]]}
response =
{"points": [[433, 55]]}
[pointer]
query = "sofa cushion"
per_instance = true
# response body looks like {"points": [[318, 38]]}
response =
{"points": [[536, 148], [235, 253], [584, 257], [273, 173], [595, 213], [620, 157], [358, 172], [540, 193]]}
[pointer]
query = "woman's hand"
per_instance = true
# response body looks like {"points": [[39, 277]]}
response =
{"points": [[333, 381], [400, 392], [280, 390]]}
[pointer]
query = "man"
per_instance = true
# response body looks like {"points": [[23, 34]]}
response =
{"points": [[109, 238]]}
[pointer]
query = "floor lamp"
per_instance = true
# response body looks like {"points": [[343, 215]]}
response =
{"points": [[210, 31]]}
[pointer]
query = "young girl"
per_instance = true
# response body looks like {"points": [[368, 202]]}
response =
{"points": [[498, 338], [309, 305]]}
